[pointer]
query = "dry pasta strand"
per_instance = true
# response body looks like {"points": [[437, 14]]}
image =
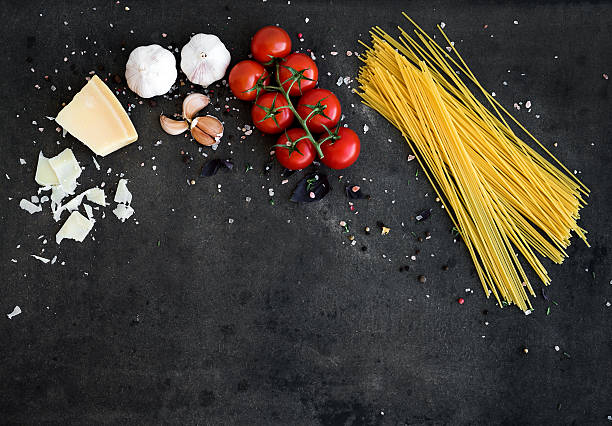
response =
{"points": [[502, 195]]}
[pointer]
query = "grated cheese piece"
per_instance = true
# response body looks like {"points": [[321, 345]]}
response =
{"points": [[42, 259], [67, 169], [29, 206], [44, 173], [16, 311], [96, 195], [75, 228], [123, 195], [123, 212]]}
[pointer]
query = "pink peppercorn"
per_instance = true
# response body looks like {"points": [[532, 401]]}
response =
{"points": [[461, 300]]}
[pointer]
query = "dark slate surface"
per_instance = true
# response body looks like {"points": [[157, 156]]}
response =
{"points": [[276, 318]]}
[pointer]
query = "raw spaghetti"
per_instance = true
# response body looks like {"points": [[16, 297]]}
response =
{"points": [[502, 195]]}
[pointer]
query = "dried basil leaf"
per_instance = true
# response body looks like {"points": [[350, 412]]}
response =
{"points": [[422, 215], [313, 187], [212, 167], [355, 195]]}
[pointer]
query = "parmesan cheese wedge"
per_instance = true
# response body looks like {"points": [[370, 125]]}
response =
{"points": [[75, 228], [96, 118]]}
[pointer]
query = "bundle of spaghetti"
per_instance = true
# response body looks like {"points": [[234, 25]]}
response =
{"points": [[504, 197]]}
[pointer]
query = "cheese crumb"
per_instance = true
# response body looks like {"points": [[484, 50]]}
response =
{"points": [[29, 206], [75, 228], [16, 311]]}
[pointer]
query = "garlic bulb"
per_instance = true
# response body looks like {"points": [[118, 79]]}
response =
{"points": [[150, 71], [204, 59]]}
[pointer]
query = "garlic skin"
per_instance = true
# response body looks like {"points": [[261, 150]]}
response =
{"points": [[204, 59], [150, 71]]}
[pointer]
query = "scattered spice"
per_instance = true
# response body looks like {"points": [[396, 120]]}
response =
{"points": [[422, 215], [422, 278], [461, 300], [354, 192]]}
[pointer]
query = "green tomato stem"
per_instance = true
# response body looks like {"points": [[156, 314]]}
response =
{"points": [[285, 93]]}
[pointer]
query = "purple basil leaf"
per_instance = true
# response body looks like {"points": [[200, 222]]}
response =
{"points": [[212, 167], [313, 187]]}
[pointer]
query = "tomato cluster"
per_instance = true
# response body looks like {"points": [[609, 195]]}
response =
{"points": [[318, 110]]}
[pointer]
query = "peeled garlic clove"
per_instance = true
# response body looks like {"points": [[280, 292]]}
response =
{"points": [[193, 104], [204, 59], [209, 125], [150, 71], [172, 127], [202, 137]]}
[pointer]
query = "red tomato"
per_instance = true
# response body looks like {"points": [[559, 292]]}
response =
{"points": [[295, 160], [342, 152], [299, 62], [243, 77], [270, 42], [276, 121], [332, 109]]}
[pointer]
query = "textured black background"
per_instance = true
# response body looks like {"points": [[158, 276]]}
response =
{"points": [[276, 318]]}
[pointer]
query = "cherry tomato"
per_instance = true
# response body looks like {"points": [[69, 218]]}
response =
{"points": [[243, 77], [299, 62], [332, 109], [270, 42], [294, 160], [342, 152], [284, 117]]}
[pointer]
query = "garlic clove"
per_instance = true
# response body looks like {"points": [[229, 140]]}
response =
{"points": [[204, 59], [193, 104], [209, 125], [202, 137], [173, 127], [150, 71]]}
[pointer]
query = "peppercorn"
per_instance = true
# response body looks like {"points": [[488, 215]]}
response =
{"points": [[422, 278], [367, 230], [420, 239], [461, 300], [445, 268], [417, 251], [364, 248]]}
